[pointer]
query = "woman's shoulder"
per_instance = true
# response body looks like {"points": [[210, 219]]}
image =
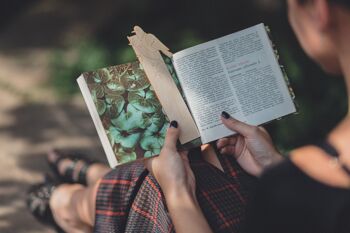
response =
{"points": [[309, 163]]}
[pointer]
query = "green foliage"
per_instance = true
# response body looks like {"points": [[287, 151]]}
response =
{"points": [[67, 65]]}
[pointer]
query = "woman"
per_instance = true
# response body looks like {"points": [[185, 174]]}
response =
{"points": [[308, 193]]}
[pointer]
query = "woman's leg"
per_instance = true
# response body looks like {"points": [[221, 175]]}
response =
{"points": [[73, 205], [95, 172]]}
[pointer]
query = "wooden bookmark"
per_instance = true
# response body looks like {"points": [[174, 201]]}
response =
{"points": [[147, 48]]}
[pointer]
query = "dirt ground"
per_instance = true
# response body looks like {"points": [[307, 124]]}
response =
{"points": [[32, 119], [32, 122]]}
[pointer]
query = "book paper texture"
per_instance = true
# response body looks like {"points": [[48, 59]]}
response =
{"points": [[237, 73]]}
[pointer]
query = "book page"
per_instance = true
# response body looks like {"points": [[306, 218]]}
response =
{"points": [[237, 73]]}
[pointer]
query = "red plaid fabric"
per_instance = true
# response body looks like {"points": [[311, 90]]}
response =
{"points": [[129, 198]]}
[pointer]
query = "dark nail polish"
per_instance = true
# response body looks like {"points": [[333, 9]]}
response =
{"points": [[173, 124], [225, 115]]}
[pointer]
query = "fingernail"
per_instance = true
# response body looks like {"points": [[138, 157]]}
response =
{"points": [[225, 115], [173, 124]]}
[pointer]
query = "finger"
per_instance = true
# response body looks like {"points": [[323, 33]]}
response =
{"points": [[226, 141], [264, 131], [222, 142], [228, 150], [237, 126], [184, 155], [172, 135], [249, 161], [149, 164], [186, 161]]}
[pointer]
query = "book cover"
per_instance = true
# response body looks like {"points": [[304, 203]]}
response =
{"points": [[129, 110], [130, 113]]}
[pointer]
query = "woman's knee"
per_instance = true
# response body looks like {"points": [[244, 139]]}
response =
{"points": [[86, 204], [62, 202]]}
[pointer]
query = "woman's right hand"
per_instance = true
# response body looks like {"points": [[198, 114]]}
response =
{"points": [[176, 179], [251, 146], [171, 168]]}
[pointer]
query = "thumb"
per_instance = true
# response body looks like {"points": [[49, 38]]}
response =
{"points": [[236, 125], [149, 163], [172, 135]]}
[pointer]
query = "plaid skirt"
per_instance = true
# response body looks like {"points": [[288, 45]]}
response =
{"points": [[129, 198]]}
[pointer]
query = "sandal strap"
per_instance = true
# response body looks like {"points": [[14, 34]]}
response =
{"points": [[68, 173], [54, 164], [82, 176], [82, 171]]}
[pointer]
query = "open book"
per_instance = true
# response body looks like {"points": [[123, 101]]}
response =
{"points": [[131, 104]]}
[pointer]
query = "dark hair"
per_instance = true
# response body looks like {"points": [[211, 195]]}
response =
{"points": [[341, 2]]}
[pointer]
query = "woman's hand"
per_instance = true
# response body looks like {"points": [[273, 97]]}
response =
{"points": [[171, 168], [252, 146], [174, 175]]}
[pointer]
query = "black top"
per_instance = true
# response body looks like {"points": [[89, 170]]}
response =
{"points": [[289, 201]]}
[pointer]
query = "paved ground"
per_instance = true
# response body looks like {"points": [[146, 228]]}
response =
{"points": [[32, 120]]}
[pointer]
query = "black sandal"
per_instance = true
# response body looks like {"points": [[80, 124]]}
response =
{"points": [[38, 202], [68, 174]]}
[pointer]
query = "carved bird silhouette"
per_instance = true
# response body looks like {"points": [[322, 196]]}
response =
{"points": [[151, 41]]}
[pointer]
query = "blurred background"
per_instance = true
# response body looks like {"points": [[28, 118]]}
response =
{"points": [[46, 44]]}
